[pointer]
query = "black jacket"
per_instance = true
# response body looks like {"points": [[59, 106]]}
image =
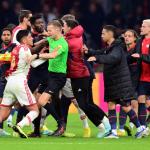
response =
{"points": [[117, 79], [134, 69]]}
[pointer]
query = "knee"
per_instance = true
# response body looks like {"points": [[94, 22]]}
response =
{"points": [[142, 99]]}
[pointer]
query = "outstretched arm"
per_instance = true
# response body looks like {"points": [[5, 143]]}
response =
{"points": [[144, 57], [113, 57]]}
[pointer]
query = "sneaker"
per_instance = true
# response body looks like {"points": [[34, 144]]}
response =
{"points": [[4, 133], [86, 132], [50, 133], [101, 134], [140, 133], [45, 131], [121, 132], [21, 133], [44, 128], [34, 135], [70, 135], [111, 136], [15, 134], [146, 132], [60, 131]]}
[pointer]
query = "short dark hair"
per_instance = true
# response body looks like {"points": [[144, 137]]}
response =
{"points": [[11, 26], [24, 14], [21, 34], [72, 23], [56, 23], [113, 29], [35, 17], [68, 17], [6, 29]]}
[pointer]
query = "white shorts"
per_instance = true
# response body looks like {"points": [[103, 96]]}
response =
{"points": [[67, 89], [17, 90]]}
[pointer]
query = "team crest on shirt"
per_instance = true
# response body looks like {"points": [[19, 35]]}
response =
{"points": [[148, 45]]}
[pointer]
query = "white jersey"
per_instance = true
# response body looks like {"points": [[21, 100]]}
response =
{"points": [[19, 65], [17, 88], [14, 34]]}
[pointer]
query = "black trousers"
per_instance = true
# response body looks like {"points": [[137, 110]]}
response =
{"points": [[80, 87], [90, 92]]}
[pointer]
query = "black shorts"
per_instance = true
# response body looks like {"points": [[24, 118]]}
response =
{"points": [[2, 86], [42, 87], [144, 88], [36, 77], [56, 82]]}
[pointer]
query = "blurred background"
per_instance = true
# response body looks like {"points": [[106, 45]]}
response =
{"points": [[92, 14]]}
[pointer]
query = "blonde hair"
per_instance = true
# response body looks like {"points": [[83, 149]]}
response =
{"points": [[147, 21]]}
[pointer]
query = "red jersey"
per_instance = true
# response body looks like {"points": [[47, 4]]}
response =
{"points": [[145, 71]]}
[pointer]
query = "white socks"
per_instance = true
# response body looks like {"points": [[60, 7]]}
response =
{"points": [[26, 121]]}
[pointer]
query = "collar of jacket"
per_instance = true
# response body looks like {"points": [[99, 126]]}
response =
{"points": [[117, 42]]}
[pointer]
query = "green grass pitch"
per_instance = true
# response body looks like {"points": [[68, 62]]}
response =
{"points": [[75, 143]]}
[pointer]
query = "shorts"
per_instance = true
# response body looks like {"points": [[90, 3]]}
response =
{"points": [[56, 82], [42, 87], [144, 88], [67, 89], [17, 90], [36, 77]]}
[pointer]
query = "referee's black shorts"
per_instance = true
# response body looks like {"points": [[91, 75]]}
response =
{"points": [[56, 82]]}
